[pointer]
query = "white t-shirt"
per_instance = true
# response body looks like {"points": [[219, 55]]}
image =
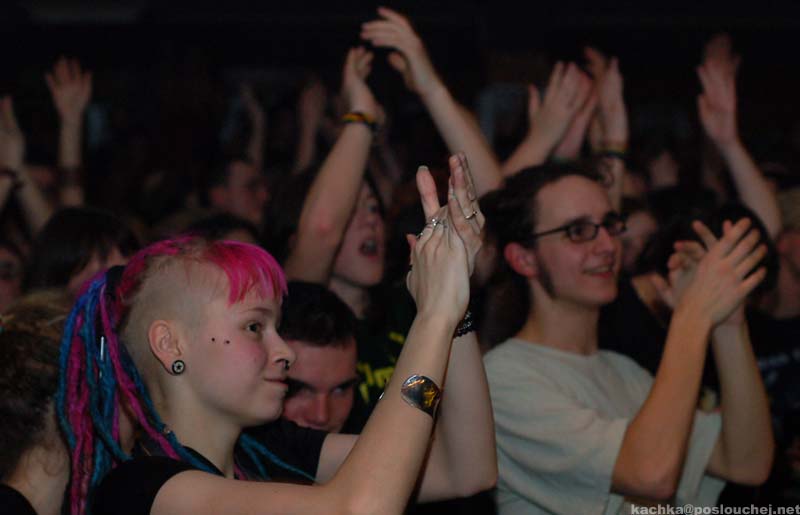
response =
{"points": [[560, 418]]}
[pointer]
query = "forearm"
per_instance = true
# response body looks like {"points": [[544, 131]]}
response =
{"points": [[464, 449], [462, 134], [70, 139], [328, 205], [753, 189], [655, 443], [34, 206], [397, 434], [746, 439], [533, 151]]}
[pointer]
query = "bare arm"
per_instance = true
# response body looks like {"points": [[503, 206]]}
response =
{"points": [[548, 118], [462, 457], [744, 451], [330, 200], [612, 119], [717, 110], [458, 128], [71, 89], [12, 144], [258, 126], [654, 447]]}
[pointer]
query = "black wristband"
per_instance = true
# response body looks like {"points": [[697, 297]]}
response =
{"points": [[467, 325]]}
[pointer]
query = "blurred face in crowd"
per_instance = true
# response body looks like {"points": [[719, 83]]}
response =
{"points": [[10, 277], [360, 258], [322, 384], [641, 226], [580, 273], [789, 250], [95, 265], [245, 194]]}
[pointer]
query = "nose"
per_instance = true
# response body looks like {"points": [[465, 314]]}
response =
{"points": [[605, 242], [320, 412], [280, 353]]}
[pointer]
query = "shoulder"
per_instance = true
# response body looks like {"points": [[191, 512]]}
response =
{"points": [[132, 486]]}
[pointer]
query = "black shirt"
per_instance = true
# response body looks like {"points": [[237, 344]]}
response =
{"points": [[14, 503], [131, 487]]}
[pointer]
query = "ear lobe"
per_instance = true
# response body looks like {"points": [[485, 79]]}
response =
{"points": [[521, 260], [163, 342]]}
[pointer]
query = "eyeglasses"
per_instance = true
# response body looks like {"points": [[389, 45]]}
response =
{"points": [[583, 230]]}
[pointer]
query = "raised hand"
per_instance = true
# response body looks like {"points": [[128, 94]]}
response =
{"points": [[717, 103], [410, 58], [355, 92], [723, 277], [439, 276], [719, 50], [12, 140], [613, 115], [550, 118], [70, 88], [570, 145]]}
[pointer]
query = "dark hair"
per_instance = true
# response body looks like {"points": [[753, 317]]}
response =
{"points": [[216, 227], [511, 216], [30, 335], [314, 315], [655, 256], [514, 210], [68, 241]]}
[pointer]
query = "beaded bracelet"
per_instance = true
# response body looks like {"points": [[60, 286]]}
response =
{"points": [[359, 117]]}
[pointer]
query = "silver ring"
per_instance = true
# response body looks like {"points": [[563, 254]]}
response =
{"points": [[471, 215]]}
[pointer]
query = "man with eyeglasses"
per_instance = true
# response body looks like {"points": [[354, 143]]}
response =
{"points": [[582, 430]]}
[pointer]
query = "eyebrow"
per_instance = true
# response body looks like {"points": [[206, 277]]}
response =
{"points": [[587, 218], [296, 384]]}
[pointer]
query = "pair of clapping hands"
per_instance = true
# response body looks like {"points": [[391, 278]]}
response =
{"points": [[443, 254], [714, 277]]}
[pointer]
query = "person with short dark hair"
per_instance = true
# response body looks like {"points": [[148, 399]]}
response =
{"points": [[320, 329], [237, 186], [75, 244], [583, 430]]}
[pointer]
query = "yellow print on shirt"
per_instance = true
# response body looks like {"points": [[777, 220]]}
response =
{"points": [[377, 378]]}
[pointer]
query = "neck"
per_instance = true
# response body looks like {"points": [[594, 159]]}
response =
{"points": [[41, 477], [787, 301], [356, 297], [561, 325], [205, 432]]}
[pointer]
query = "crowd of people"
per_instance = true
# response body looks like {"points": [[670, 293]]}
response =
{"points": [[573, 328]]}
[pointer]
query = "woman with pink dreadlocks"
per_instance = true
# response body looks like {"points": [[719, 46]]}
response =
{"points": [[184, 343]]}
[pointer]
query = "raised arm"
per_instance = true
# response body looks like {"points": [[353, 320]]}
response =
{"points": [[16, 178], [548, 118], [462, 459], [330, 200], [258, 125], [745, 448], [655, 445], [381, 469], [71, 89], [458, 129], [612, 120], [716, 106]]}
